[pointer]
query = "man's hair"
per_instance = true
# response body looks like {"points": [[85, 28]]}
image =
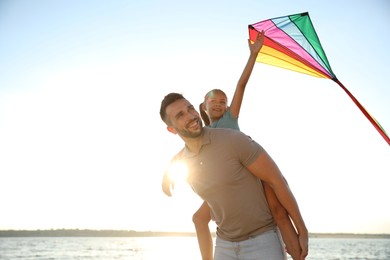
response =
{"points": [[168, 99]]}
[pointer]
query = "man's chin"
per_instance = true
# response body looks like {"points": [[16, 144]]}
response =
{"points": [[197, 133], [192, 133]]}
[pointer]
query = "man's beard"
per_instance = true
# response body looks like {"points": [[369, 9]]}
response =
{"points": [[191, 134]]}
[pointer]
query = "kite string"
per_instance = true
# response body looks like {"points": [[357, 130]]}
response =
{"points": [[364, 111]]}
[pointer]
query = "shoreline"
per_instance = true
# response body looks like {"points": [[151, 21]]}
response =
{"points": [[132, 233]]}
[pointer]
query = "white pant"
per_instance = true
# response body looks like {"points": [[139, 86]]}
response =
{"points": [[265, 246]]}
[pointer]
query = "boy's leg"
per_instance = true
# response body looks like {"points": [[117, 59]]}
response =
{"points": [[201, 220]]}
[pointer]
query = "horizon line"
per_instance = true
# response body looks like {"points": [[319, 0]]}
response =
{"points": [[118, 232]]}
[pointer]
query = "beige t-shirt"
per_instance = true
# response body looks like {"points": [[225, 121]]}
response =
{"points": [[218, 175]]}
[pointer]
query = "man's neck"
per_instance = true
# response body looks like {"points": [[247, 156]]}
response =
{"points": [[194, 144]]}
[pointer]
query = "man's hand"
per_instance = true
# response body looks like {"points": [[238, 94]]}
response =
{"points": [[304, 243]]}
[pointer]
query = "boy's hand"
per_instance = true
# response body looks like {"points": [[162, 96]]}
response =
{"points": [[167, 184], [255, 47]]}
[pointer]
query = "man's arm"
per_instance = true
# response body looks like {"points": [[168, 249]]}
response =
{"points": [[282, 219], [266, 169]]}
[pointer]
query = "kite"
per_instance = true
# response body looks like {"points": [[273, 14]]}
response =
{"points": [[291, 42]]}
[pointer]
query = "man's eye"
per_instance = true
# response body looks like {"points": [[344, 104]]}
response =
{"points": [[179, 115]]}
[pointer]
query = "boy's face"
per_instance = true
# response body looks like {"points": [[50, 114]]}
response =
{"points": [[216, 106]]}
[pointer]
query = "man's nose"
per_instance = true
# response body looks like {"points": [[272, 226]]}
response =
{"points": [[191, 115]]}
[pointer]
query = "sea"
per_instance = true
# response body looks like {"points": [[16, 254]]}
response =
{"points": [[172, 248]]}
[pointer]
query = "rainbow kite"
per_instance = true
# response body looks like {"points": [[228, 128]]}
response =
{"points": [[291, 42]]}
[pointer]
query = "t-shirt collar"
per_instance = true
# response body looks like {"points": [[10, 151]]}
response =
{"points": [[206, 139]]}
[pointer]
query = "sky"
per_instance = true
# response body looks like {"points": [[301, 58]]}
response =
{"points": [[82, 144]]}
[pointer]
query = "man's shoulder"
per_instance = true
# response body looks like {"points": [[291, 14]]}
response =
{"points": [[227, 134], [178, 155]]}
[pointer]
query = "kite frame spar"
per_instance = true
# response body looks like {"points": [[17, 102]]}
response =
{"points": [[291, 42]]}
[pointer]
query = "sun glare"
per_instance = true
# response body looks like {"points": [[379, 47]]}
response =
{"points": [[178, 173], [184, 200]]}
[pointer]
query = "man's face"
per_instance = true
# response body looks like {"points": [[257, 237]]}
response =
{"points": [[183, 119]]}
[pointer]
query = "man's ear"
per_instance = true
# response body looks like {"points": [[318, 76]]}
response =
{"points": [[171, 129]]}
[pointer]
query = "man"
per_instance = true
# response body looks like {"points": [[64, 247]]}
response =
{"points": [[225, 168]]}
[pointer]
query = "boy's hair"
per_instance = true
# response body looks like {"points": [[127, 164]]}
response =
{"points": [[168, 99]]}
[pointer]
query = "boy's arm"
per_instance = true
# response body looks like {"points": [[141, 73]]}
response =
{"points": [[254, 48]]}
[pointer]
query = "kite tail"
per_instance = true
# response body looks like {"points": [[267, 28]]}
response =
{"points": [[369, 117]]}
